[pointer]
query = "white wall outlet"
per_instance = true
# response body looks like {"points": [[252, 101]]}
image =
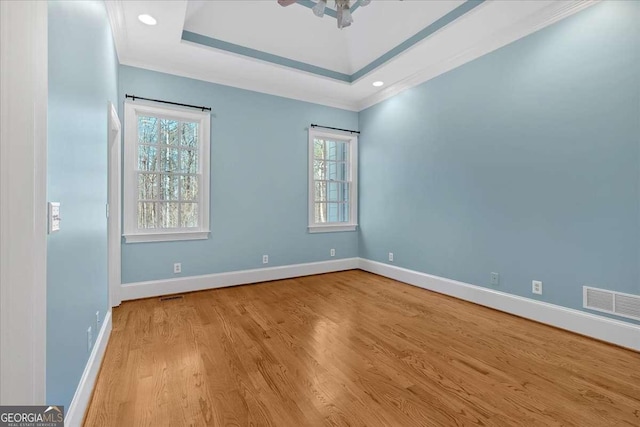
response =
{"points": [[89, 339], [495, 279], [536, 287], [332, 252], [391, 256], [177, 268], [265, 259], [54, 217]]}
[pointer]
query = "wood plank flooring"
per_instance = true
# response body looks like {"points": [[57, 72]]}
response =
{"points": [[352, 349]]}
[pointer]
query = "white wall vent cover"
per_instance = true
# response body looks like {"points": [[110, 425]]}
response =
{"points": [[617, 303]]}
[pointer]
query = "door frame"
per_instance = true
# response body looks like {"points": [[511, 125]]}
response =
{"points": [[23, 202], [114, 225]]}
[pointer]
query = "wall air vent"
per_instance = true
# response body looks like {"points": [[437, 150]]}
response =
{"points": [[171, 297], [625, 305]]}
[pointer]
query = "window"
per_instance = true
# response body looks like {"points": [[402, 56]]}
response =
{"points": [[333, 187], [166, 174]]}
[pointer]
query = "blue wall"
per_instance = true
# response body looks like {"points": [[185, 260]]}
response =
{"points": [[524, 162], [258, 182], [83, 73]]}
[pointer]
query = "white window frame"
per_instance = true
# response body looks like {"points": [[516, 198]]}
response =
{"points": [[352, 140], [131, 232]]}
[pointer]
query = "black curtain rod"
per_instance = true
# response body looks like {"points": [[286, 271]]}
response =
{"points": [[343, 130], [168, 102]]}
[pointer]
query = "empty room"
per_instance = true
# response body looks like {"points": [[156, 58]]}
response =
{"points": [[320, 213]]}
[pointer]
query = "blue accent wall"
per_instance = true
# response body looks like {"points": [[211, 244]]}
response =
{"points": [[524, 162], [83, 73], [258, 182]]}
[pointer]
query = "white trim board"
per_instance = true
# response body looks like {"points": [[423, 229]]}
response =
{"points": [[23, 203], [590, 325], [154, 288], [80, 402]]}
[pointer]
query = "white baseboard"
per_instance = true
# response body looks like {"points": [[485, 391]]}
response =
{"points": [[137, 290], [602, 328], [80, 402]]}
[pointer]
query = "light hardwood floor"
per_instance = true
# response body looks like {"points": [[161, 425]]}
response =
{"points": [[352, 349]]}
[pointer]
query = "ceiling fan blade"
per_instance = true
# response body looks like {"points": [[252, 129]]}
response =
{"points": [[286, 2]]}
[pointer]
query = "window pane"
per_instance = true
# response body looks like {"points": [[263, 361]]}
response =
{"points": [[147, 130], [147, 186], [344, 191], [336, 150], [169, 159], [318, 148], [189, 135], [147, 158], [169, 187], [189, 161], [189, 187], [336, 171], [320, 191], [332, 212], [344, 212], [320, 213], [189, 212], [319, 169], [168, 217], [335, 192], [169, 132], [147, 215]]}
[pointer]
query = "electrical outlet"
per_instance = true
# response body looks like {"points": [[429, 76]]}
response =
{"points": [[177, 268], [98, 320], [495, 279], [89, 339], [536, 287], [391, 256], [333, 252], [265, 259]]}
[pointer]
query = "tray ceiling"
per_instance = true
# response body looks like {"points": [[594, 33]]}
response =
{"points": [[288, 51]]}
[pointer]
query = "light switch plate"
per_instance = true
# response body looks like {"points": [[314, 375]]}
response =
{"points": [[54, 217]]}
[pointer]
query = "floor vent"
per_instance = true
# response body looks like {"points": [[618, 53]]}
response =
{"points": [[171, 297], [617, 303]]}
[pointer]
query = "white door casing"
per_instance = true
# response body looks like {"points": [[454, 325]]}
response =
{"points": [[113, 207], [23, 203]]}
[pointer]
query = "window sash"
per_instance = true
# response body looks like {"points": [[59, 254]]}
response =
{"points": [[158, 202]]}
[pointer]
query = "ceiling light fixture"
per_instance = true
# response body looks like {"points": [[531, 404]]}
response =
{"points": [[344, 13], [147, 19], [318, 9], [378, 83], [343, 9]]}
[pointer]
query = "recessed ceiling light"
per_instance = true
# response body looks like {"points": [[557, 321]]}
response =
{"points": [[147, 19], [378, 83]]}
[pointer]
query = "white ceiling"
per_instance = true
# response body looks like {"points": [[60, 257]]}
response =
{"points": [[293, 32]]}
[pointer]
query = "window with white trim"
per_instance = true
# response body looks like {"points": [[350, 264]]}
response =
{"points": [[333, 181], [166, 173]]}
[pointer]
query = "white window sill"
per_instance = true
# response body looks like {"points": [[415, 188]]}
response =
{"points": [[332, 228], [166, 237]]}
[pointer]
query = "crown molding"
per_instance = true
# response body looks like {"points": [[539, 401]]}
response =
{"points": [[549, 15], [558, 11], [115, 12], [254, 87]]}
